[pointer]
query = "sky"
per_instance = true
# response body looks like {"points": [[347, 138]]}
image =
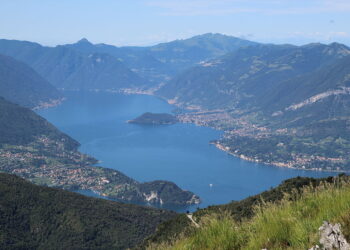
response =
{"points": [[147, 22]]}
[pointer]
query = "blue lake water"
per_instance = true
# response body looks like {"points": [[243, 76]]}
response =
{"points": [[180, 153]]}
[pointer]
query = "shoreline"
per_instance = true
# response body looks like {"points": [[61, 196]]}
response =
{"points": [[245, 158], [173, 102], [50, 104]]}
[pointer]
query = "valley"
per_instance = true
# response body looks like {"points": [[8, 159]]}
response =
{"points": [[183, 125], [245, 117], [179, 153]]}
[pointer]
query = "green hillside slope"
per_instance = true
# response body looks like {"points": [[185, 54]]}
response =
{"points": [[21, 84], [34, 217], [69, 69]]}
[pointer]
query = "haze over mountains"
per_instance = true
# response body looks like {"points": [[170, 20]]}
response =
{"points": [[86, 66], [273, 88], [243, 78], [69, 69]]}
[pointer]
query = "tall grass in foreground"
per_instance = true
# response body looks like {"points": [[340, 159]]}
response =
{"points": [[290, 224]]}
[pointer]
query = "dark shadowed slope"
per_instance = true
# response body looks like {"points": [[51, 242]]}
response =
{"points": [[21, 126], [19, 83], [34, 217]]}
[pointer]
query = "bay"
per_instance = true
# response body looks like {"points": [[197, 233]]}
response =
{"points": [[180, 153]]}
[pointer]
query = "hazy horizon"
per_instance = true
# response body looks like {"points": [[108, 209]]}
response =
{"points": [[148, 22], [155, 43]]}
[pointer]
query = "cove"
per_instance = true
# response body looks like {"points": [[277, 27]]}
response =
{"points": [[180, 153]]}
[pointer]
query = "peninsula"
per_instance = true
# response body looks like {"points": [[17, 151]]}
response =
{"points": [[155, 119]]}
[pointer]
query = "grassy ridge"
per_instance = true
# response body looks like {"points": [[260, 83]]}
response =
{"points": [[238, 210], [290, 224]]}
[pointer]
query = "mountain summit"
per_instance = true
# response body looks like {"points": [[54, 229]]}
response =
{"points": [[84, 40]]}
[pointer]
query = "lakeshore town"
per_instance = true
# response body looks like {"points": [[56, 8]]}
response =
{"points": [[47, 162], [237, 127]]}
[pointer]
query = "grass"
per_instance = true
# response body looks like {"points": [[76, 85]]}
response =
{"points": [[290, 224]]}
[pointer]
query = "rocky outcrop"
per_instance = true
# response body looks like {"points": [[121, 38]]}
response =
{"points": [[331, 237]]}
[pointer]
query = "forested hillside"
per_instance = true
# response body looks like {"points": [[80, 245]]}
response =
{"points": [[22, 85], [68, 69], [34, 217]]}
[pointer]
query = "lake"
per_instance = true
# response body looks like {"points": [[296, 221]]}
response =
{"points": [[180, 153]]}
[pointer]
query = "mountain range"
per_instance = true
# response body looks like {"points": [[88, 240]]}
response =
{"points": [[68, 69], [83, 65], [247, 77]]}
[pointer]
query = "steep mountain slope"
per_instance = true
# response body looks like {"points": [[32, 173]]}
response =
{"points": [[20, 126], [242, 79], [21, 84], [69, 69], [34, 149], [34, 217], [323, 94]]}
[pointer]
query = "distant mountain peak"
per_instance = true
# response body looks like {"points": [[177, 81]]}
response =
{"points": [[338, 45], [84, 40]]}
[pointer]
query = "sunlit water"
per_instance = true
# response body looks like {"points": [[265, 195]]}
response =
{"points": [[180, 153]]}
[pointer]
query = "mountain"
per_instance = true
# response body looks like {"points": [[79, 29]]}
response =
{"points": [[243, 78], [283, 105], [181, 54], [34, 149], [21, 84], [88, 66], [69, 69], [322, 93], [138, 59], [35, 217], [161, 62]]}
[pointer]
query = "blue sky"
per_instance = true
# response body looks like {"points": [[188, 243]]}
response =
{"points": [[145, 22]]}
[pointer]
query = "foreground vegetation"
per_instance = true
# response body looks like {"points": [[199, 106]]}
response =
{"points": [[292, 223], [35, 217]]}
